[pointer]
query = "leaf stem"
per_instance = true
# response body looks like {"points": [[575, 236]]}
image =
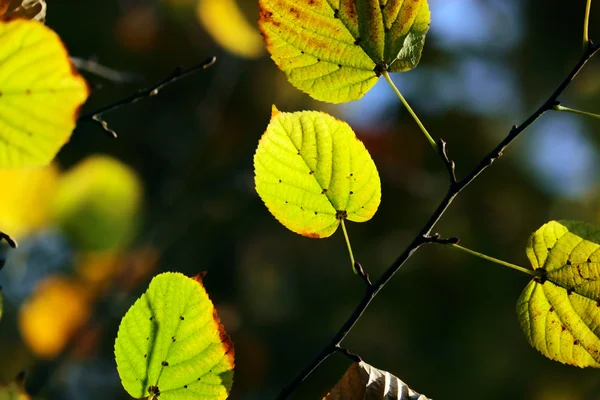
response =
{"points": [[349, 247], [586, 24], [558, 107], [494, 260], [421, 237], [410, 110]]}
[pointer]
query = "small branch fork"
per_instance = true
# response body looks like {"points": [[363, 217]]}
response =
{"points": [[425, 236], [177, 74]]}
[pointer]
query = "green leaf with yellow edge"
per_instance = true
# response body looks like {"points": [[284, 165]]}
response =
{"points": [[335, 50], [560, 310], [97, 204], [40, 94], [171, 344], [312, 171]]}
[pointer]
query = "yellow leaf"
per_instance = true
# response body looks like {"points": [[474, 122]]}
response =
{"points": [[40, 94], [225, 22], [24, 205], [48, 320]]}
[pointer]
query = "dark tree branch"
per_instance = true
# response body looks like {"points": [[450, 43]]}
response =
{"points": [[424, 236], [177, 74]]}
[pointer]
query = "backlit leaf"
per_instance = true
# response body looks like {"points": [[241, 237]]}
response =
{"points": [[335, 50], [560, 311], [97, 204], [364, 382], [171, 344], [312, 171], [225, 22], [40, 94]]}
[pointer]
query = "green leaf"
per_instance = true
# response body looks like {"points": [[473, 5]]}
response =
{"points": [[1, 302], [312, 171], [560, 310], [171, 343], [40, 94], [335, 50], [97, 204]]}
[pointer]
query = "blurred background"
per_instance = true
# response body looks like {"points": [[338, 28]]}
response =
{"points": [[175, 193]]}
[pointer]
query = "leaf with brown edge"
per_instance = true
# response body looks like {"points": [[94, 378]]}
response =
{"points": [[171, 343], [40, 94], [365, 382], [335, 50], [312, 172]]}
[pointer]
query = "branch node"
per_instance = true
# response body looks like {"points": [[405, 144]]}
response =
{"points": [[436, 238], [353, 357], [361, 272], [450, 164], [104, 125]]}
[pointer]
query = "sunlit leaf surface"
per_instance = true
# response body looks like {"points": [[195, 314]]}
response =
{"points": [[312, 171], [335, 50], [40, 94], [560, 311], [171, 344]]}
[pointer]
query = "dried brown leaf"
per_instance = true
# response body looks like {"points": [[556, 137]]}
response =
{"points": [[364, 382]]}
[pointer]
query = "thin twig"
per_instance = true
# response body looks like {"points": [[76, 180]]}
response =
{"points": [[177, 74], [361, 272], [424, 236], [11, 242], [93, 67], [353, 357], [450, 165]]}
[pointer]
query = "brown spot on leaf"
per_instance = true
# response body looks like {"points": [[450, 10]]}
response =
{"points": [[311, 235]]}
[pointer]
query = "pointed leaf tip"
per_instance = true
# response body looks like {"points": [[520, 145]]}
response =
{"points": [[310, 169]]}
